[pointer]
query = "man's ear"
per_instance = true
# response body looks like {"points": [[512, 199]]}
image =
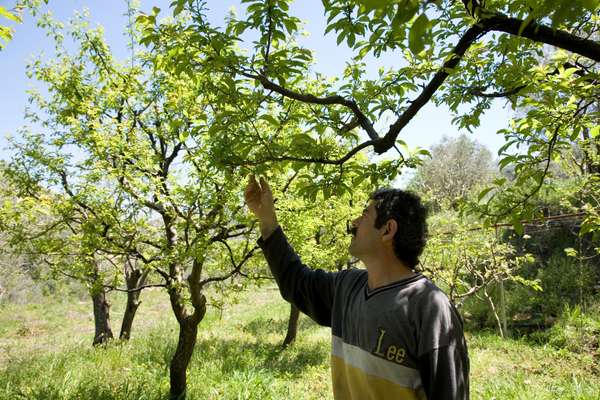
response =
{"points": [[391, 227]]}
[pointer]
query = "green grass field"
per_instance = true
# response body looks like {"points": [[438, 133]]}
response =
{"points": [[46, 353]]}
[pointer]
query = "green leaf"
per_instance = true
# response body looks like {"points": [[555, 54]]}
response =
{"points": [[483, 193], [406, 12], [371, 5], [595, 131], [591, 5], [303, 142], [8, 15], [270, 119], [417, 34], [570, 252], [178, 9], [499, 181], [424, 152]]}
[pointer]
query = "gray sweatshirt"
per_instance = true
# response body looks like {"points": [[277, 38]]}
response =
{"points": [[400, 341]]}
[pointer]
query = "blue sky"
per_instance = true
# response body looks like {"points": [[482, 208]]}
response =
{"points": [[423, 131]]}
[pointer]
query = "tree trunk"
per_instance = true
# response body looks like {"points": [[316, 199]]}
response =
{"points": [[292, 326], [188, 331], [133, 303], [134, 278], [103, 333]]}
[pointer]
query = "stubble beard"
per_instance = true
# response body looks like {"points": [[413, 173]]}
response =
{"points": [[352, 248]]}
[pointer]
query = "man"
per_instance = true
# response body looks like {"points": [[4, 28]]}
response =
{"points": [[395, 335]]}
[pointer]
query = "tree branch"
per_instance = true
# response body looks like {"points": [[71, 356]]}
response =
{"points": [[338, 161], [543, 34], [235, 270], [494, 95], [137, 289], [470, 36], [362, 119]]}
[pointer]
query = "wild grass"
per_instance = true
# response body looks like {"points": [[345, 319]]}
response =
{"points": [[46, 353]]}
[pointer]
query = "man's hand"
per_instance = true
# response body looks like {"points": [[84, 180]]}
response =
{"points": [[259, 199]]}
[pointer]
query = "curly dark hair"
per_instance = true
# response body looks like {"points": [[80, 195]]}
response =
{"points": [[410, 215]]}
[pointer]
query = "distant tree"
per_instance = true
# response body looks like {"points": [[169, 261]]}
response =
{"points": [[75, 233], [457, 168]]}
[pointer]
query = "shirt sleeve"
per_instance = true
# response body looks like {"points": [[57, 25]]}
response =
{"points": [[443, 359], [445, 373], [312, 291]]}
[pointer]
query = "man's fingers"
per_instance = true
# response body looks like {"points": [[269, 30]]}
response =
{"points": [[252, 180], [252, 184], [252, 193], [264, 184]]}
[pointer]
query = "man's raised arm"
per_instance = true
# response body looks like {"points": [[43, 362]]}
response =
{"points": [[310, 290]]}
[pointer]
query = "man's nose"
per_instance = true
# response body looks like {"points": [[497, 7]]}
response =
{"points": [[351, 224]]}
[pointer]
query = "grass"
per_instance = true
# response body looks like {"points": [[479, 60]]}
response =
{"points": [[46, 353]]}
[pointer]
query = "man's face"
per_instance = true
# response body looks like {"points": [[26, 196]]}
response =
{"points": [[365, 237]]}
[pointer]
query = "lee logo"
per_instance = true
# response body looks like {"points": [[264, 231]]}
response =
{"points": [[391, 353]]}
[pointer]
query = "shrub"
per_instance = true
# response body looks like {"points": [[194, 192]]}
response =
{"points": [[575, 330]]}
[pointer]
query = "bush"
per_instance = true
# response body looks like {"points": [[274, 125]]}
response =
{"points": [[575, 330]]}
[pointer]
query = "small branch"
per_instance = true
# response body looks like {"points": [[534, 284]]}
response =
{"points": [[137, 289], [364, 122], [580, 71], [245, 275], [338, 161], [269, 35], [494, 95], [235, 270], [162, 273]]}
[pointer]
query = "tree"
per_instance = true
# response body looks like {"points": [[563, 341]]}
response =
{"points": [[142, 165], [73, 232], [468, 260], [458, 167], [459, 54]]}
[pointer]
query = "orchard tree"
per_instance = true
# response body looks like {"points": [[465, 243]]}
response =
{"points": [[72, 233], [468, 261], [151, 162], [461, 54], [124, 132]]}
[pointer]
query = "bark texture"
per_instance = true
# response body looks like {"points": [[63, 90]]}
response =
{"points": [[188, 331], [103, 333], [134, 279]]}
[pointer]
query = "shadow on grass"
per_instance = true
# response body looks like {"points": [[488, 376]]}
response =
{"points": [[234, 355], [240, 354], [262, 326]]}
